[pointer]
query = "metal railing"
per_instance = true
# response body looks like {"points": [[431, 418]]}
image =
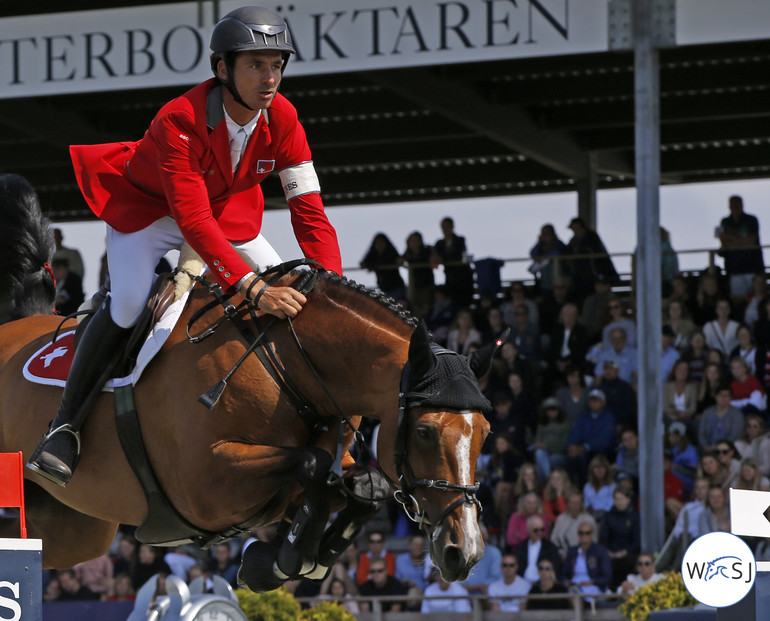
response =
{"points": [[583, 607], [709, 263]]}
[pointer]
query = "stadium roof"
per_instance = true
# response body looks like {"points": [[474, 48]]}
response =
{"points": [[498, 127]]}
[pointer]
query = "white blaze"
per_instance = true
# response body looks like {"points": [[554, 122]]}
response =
{"points": [[469, 526], [463, 455], [466, 472]]}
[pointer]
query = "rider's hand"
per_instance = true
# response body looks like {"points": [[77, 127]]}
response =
{"points": [[277, 300]]}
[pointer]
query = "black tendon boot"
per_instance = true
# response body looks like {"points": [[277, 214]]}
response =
{"points": [[57, 454]]}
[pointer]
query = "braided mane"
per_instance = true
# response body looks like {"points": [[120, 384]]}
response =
{"points": [[26, 285], [379, 297]]}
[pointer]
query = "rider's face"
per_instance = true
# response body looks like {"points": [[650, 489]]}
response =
{"points": [[257, 75]]}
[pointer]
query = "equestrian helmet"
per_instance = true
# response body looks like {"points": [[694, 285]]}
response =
{"points": [[250, 28]]}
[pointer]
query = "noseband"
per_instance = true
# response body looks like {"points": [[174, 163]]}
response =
{"points": [[407, 481]]}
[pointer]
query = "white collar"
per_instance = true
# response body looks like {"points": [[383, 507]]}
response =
{"points": [[233, 127]]}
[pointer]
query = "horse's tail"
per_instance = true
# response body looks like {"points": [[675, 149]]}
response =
{"points": [[26, 281]]}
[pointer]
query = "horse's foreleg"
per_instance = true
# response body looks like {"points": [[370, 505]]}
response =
{"points": [[69, 537], [266, 566], [366, 489], [300, 547]]}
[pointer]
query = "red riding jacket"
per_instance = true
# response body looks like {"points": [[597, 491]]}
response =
{"points": [[181, 167]]}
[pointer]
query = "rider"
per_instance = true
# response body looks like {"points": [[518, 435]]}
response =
{"points": [[193, 177]]}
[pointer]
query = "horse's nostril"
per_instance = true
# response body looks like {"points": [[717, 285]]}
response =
{"points": [[454, 559]]}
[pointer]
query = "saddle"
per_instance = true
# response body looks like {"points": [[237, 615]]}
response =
{"points": [[162, 295]]}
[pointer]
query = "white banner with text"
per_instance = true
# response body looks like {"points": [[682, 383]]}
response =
{"points": [[167, 44], [162, 45]]}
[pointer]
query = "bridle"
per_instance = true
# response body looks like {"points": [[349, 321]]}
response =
{"points": [[260, 346], [408, 483]]}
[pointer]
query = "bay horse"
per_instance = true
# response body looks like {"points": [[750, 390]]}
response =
{"points": [[250, 460]]}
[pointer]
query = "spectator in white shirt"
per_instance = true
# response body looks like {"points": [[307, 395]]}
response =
{"points": [[721, 333], [646, 568], [503, 593], [441, 587]]}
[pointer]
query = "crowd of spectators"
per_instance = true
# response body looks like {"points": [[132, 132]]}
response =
{"points": [[129, 564], [561, 464]]}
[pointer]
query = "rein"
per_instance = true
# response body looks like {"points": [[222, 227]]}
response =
{"points": [[259, 345]]}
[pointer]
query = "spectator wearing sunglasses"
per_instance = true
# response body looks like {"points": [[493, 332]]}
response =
{"points": [[645, 568], [617, 317], [381, 584], [588, 566], [535, 548], [548, 585], [728, 457], [505, 593], [376, 550]]}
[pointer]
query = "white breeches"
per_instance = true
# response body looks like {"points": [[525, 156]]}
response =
{"points": [[132, 257]]}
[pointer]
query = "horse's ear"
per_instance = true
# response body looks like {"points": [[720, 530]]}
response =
{"points": [[480, 360], [421, 356]]}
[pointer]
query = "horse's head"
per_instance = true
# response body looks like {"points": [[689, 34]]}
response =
{"points": [[440, 432]]}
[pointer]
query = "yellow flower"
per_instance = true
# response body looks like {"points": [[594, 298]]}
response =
{"points": [[666, 593]]}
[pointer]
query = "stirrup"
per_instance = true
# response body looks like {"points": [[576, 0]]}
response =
{"points": [[65, 428], [55, 477]]}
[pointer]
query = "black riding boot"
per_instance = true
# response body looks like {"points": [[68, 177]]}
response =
{"points": [[57, 454]]}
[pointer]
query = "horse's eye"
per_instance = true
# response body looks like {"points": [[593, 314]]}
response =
{"points": [[423, 432]]}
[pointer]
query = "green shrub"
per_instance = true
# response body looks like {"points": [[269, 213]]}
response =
{"points": [[278, 605], [327, 611]]}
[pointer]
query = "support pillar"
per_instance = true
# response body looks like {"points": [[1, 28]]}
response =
{"points": [[648, 278], [587, 188]]}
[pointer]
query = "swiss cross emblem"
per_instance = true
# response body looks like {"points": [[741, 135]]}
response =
{"points": [[265, 166], [51, 363]]}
